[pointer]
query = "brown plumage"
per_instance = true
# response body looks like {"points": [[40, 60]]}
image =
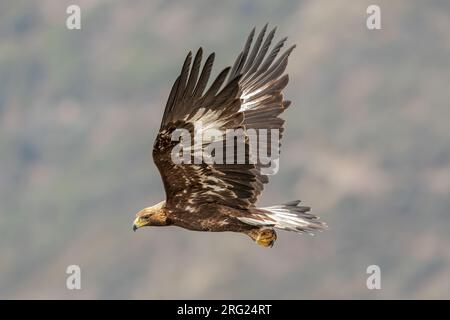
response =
{"points": [[206, 196]]}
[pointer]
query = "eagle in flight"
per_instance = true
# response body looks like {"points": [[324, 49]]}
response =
{"points": [[216, 196]]}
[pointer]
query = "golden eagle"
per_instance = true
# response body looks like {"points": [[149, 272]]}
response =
{"points": [[220, 196]]}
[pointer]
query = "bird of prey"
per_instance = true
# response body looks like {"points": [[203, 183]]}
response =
{"points": [[220, 196]]}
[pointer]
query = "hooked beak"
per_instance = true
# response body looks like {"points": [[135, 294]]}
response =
{"points": [[138, 222]]}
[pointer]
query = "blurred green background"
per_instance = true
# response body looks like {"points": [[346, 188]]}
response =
{"points": [[367, 145]]}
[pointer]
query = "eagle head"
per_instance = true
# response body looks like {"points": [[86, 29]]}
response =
{"points": [[151, 216]]}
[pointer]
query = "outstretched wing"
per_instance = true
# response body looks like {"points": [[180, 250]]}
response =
{"points": [[246, 96]]}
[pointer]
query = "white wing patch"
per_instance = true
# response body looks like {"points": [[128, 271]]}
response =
{"points": [[247, 96]]}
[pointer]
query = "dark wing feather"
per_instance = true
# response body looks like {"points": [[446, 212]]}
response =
{"points": [[250, 98]]}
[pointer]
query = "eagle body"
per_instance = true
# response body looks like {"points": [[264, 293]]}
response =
{"points": [[210, 217], [215, 188]]}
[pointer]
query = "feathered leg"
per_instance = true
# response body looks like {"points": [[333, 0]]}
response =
{"points": [[263, 236]]}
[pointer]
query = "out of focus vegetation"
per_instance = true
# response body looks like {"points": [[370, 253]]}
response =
{"points": [[367, 145]]}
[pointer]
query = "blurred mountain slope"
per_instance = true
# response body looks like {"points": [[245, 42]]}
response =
{"points": [[366, 145]]}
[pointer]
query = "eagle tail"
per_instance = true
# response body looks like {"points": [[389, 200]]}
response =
{"points": [[289, 216], [292, 217]]}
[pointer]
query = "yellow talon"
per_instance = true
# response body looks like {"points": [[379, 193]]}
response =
{"points": [[264, 237]]}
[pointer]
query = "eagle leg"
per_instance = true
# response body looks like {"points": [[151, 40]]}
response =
{"points": [[263, 236]]}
